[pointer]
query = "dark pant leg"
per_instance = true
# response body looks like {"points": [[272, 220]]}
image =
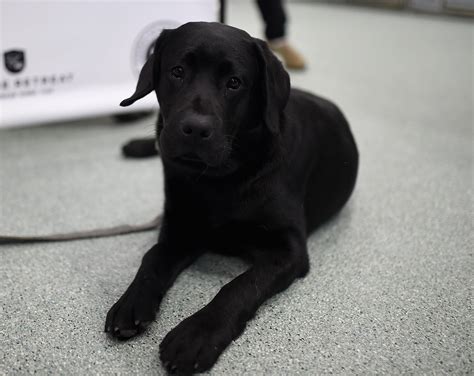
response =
{"points": [[274, 16]]}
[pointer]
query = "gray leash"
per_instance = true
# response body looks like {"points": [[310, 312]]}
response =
{"points": [[87, 234]]}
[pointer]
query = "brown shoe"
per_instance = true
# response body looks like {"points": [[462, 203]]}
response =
{"points": [[292, 58]]}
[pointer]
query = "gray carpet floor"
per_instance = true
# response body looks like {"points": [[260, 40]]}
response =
{"points": [[390, 286]]}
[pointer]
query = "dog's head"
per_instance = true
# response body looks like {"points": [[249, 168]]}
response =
{"points": [[221, 95]]}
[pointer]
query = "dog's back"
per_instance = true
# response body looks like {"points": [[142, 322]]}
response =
{"points": [[322, 155]]}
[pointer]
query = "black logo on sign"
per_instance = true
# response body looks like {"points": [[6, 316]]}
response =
{"points": [[14, 60]]}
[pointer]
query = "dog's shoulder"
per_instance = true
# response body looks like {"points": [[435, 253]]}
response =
{"points": [[313, 113], [304, 101]]}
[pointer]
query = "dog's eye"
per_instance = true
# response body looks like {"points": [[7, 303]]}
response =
{"points": [[177, 72], [233, 83]]}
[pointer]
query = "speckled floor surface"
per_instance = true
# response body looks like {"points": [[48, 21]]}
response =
{"points": [[389, 290]]}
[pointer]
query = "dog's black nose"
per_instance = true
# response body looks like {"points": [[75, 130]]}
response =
{"points": [[199, 128]]}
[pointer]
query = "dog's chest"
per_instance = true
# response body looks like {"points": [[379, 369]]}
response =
{"points": [[225, 210], [239, 220], [228, 209]]}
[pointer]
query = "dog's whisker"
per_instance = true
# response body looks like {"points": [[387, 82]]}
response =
{"points": [[203, 172]]}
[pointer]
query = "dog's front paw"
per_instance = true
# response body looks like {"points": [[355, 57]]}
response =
{"points": [[135, 310], [195, 344]]}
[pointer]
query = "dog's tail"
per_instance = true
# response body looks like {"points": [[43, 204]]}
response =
{"points": [[87, 234]]}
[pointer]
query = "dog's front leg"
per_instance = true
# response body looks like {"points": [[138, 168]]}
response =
{"points": [[196, 343], [159, 268]]}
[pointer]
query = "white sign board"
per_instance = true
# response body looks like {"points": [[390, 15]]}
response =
{"points": [[71, 59]]}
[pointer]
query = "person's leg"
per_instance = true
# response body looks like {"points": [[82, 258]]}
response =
{"points": [[275, 19], [273, 14]]}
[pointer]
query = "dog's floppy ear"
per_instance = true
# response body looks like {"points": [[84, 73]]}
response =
{"points": [[275, 86], [146, 79]]}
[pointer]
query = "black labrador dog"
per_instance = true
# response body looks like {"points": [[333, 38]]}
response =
{"points": [[251, 167]]}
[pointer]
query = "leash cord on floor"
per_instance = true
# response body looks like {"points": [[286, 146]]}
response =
{"points": [[87, 234]]}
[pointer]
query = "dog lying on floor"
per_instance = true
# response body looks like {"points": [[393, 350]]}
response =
{"points": [[251, 167]]}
